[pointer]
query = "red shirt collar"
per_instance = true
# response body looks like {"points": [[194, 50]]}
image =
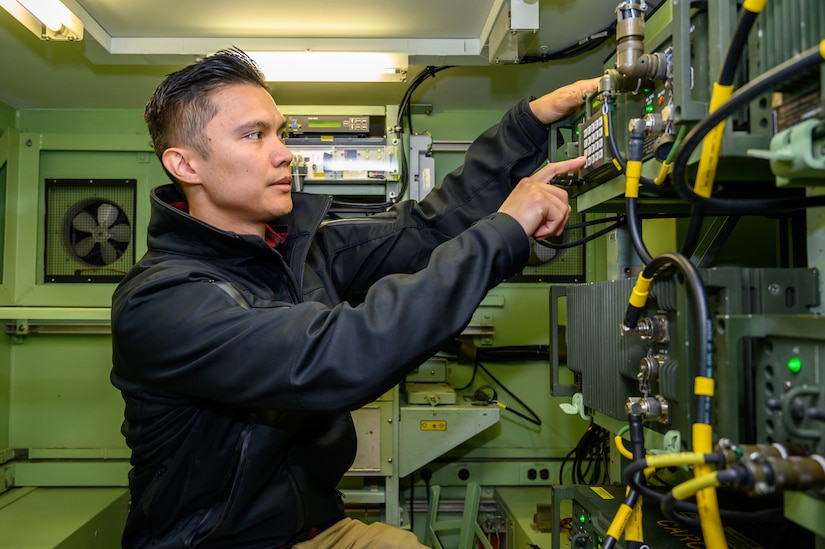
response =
{"points": [[274, 236]]}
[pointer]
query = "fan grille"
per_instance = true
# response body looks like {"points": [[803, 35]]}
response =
{"points": [[89, 230], [556, 265]]}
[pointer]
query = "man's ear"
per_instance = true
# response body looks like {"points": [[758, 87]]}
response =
{"points": [[182, 164]]}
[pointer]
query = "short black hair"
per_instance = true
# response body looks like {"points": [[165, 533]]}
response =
{"points": [[181, 107]]}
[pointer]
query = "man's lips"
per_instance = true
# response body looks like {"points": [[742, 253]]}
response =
{"points": [[286, 182]]}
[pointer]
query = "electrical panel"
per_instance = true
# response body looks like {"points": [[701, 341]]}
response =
{"points": [[654, 364], [349, 156], [662, 76], [349, 162], [593, 509], [709, 114]]}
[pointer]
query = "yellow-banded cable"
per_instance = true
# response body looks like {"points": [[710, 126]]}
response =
{"points": [[660, 179], [633, 530], [754, 6], [712, 147], [633, 174], [704, 386], [637, 301], [619, 442], [706, 501], [638, 297], [722, 90], [689, 488], [660, 461], [619, 522]]}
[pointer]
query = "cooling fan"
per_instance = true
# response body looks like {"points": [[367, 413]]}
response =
{"points": [[560, 261], [97, 232], [89, 231], [540, 255]]}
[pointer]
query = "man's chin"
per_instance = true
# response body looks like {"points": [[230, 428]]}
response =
{"points": [[284, 208]]}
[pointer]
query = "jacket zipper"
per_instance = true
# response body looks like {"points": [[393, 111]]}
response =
{"points": [[301, 253]]}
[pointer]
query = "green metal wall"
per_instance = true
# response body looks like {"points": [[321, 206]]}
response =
{"points": [[519, 315], [6, 117], [62, 397]]}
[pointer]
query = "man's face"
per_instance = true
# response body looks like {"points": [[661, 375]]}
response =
{"points": [[246, 178]]}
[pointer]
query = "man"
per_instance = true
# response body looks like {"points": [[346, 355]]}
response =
{"points": [[234, 346]]}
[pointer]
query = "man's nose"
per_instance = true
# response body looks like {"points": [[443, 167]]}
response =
{"points": [[281, 154]]}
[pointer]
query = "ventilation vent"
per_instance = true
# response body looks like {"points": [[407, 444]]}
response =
{"points": [[561, 264], [89, 230]]}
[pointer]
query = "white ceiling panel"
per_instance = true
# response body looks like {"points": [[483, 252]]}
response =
{"points": [[307, 18], [129, 45]]}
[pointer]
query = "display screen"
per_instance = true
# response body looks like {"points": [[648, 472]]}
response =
{"points": [[323, 123]]}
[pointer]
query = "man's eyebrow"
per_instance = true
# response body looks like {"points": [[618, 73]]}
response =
{"points": [[253, 125]]}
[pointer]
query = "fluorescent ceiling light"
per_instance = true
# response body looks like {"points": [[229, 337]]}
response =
{"points": [[312, 66], [47, 19]]}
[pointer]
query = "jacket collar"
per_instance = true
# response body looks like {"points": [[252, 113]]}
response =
{"points": [[171, 228]]}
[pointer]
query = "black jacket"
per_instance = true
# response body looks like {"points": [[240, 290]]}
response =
{"points": [[239, 363]]}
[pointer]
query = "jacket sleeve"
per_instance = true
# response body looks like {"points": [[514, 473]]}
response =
{"points": [[425, 268], [186, 336], [402, 239]]}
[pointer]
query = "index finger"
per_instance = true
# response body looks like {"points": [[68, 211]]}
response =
{"points": [[548, 172]]}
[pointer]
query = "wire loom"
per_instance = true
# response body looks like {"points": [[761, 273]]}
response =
{"points": [[589, 458]]}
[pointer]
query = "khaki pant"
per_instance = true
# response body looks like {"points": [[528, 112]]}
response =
{"points": [[354, 534]]}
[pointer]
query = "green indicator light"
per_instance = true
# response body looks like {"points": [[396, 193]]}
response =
{"points": [[582, 519], [649, 108], [794, 364]]}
